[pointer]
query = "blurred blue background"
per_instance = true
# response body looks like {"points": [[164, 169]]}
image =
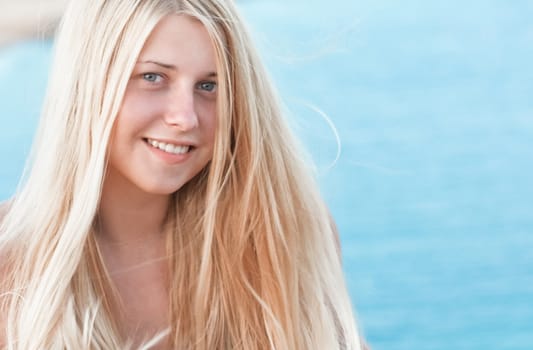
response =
{"points": [[433, 189]]}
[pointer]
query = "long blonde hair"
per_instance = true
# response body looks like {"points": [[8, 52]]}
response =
{"points": [[251, 247]]}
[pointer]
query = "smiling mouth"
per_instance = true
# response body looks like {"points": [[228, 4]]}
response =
{"points": [[169, 147]]}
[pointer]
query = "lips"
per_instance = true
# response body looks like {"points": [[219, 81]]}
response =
{"points": [[169, 147]]}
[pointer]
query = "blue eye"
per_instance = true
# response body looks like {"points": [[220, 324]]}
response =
{"points": [[151, 77], [208, 86]]}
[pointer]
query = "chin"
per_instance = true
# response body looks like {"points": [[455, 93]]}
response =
{"points": [[163, 190], [170, 185]]}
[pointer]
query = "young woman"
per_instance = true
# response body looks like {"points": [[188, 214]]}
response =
{"points": [[167, 205]]}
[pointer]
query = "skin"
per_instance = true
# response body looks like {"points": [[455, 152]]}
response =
{"points": [[171, 98]]}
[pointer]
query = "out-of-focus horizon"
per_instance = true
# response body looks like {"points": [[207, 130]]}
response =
{"points": [[432, 190]]}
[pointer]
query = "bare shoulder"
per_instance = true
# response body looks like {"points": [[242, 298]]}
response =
{"points": [[4, 207]]}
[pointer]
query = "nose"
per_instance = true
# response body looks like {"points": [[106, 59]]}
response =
{"points": [[180, 111]]}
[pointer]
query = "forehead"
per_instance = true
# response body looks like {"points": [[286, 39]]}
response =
{"points": [[179, 40]]}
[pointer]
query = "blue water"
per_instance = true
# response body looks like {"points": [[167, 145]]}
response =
{"points": [[433, 190]]}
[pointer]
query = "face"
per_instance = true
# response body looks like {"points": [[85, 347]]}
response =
{"points": [[164, 133]]}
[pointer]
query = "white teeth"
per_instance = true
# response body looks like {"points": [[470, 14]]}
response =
{"points": [[168, 147]]}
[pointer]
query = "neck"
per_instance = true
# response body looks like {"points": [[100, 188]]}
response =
{"points": [[127, 215], [131, 240]]}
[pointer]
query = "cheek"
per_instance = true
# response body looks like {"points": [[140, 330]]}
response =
{"points": [[209, 119], [135, 113]]}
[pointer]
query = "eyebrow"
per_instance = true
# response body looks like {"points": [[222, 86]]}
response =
{"points": [[173, 67]]}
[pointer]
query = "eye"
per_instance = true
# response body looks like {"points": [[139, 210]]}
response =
{"points": [[152, 77], [209, 86]]}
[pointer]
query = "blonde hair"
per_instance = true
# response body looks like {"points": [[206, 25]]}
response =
{"points": [[251, 247]]}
